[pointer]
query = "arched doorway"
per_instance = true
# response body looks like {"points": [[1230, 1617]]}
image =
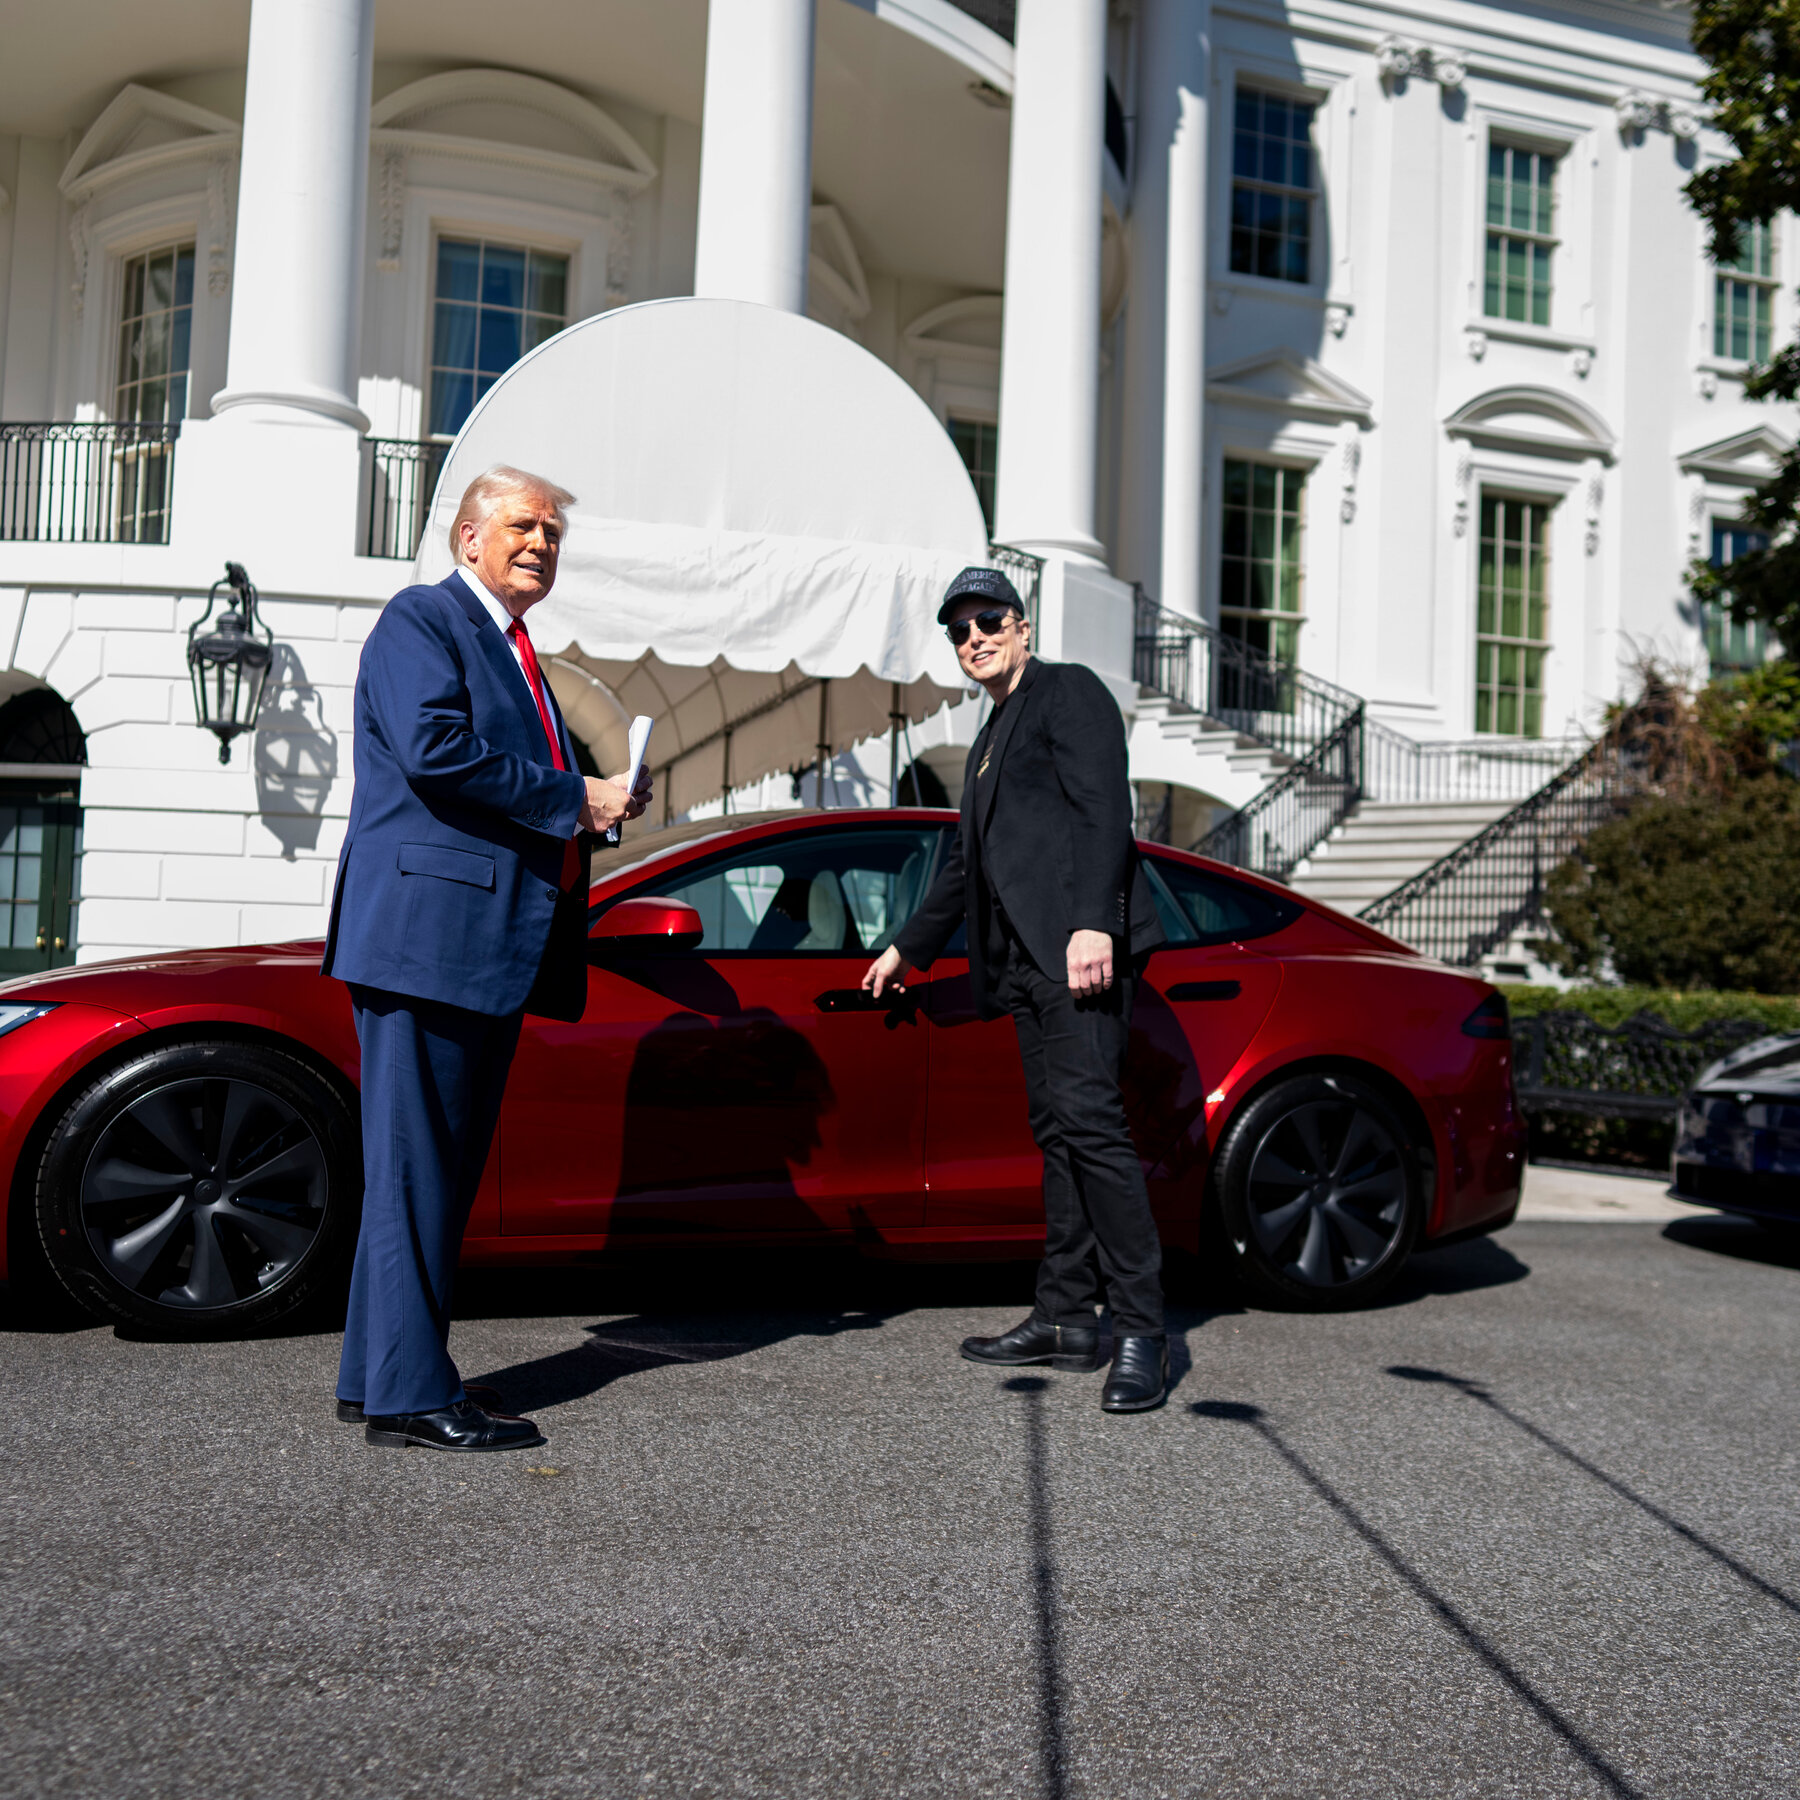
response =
{"points": [[42, 753]]}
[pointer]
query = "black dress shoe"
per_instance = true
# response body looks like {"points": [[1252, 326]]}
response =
{"points": [[1140, 1375], [349, 1412], [463, 1426], [1075, 1348]]}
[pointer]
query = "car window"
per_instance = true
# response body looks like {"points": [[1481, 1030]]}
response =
{"points": [[827, 893], [1197, 906]]}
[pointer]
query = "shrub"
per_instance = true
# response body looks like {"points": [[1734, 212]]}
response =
{"points": [[1682, 1010], [1688, 891]]}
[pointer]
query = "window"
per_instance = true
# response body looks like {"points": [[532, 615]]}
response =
{"points": [[1259, 589], [1744, 298], [829, 893], [1195, 906], [1730, 645], [1512, 618], [1272, 187], [156, 316], [978, 444], [1521, 226], [494, 302]]}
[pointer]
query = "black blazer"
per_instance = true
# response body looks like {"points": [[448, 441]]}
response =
{"points": [[1046, 815]]}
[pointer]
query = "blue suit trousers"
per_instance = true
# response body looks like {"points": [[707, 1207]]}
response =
{"points": [[432, 1080]]}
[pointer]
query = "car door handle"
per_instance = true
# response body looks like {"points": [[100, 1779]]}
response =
{"points": [[837, 1000], [1205, 990]]}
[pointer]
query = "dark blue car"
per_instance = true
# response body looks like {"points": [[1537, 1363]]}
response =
{"points": [[1737, 1141]]}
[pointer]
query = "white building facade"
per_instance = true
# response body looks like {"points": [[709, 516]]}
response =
{"points": [[1382, 343]]}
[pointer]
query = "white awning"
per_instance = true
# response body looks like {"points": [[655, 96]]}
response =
{"points": [[766, 518]]}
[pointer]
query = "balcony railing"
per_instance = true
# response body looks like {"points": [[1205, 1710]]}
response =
{"points": [[1396, 767], [100, 483], [401, 477]]}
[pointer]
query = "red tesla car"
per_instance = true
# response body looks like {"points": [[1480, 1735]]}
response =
{"points": [[179, 1133]]}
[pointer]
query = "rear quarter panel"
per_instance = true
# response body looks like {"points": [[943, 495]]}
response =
{"points": [[1402, 1016]]}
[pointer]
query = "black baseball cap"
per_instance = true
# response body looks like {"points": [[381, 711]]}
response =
{"points": [[980, 583]]}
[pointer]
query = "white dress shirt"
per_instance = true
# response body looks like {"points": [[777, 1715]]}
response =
{"points": [[496, 611]]}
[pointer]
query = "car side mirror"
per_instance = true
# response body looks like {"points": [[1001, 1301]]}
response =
{"points": [[645, 926]]}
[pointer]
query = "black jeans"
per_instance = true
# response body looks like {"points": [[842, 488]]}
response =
{"points": [[1100, 1239]]}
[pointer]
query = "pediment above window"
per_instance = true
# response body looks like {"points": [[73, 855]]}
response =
{"points": [[1538, 421], [522, 121], [141, 130], [967, 329], [1283, 381], [1744, 460]]}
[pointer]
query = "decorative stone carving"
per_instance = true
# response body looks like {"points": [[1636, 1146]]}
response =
{"points": [[1638, 112], [1464, 472], [1337, 316], [1581, 362], [218, 227], [1352, 462], [1221, 301], [78, 249], [617, 211], [390, 195], [1476, 343], [1400, 61], [1707, 383], [1596, 491]]}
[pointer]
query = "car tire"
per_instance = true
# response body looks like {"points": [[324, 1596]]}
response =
{"points": [[202, 1189], [1321, 1193]]}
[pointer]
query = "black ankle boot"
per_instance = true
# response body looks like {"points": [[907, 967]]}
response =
{"points": [[1074, 1348], [1139, 1378]]}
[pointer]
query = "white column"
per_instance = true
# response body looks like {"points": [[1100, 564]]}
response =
{"points": [[1050, 342], [1165, 321], [756, 153], [1184, 361], [296, 301]]}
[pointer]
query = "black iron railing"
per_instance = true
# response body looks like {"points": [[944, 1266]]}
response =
{"points": [[1397, 767], [1564, 1062], [1246, 689], [400, 479], [67, 483], [1297, 811], [1470, 902], [1024, 571]]}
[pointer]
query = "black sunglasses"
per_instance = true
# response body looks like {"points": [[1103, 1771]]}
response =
{"points": [[990, 623]]}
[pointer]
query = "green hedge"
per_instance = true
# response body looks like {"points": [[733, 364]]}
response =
{"points": [[1684, 1011]]}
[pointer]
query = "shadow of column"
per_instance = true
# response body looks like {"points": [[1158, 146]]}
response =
{"points": [[1238, 1412], [1045, 1599], [295, 755], [1474, 1390]]}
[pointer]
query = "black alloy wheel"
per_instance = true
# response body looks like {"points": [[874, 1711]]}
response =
{"points": [[200, 1189], [1320, 1192]]}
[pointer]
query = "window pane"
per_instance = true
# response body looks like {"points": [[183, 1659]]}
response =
{"points": [[459, 267], [155, 336], [1261, 545], [1272, 166], [494, 303], [1511, 616], [502, 277]]}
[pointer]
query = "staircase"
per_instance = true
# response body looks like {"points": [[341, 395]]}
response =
{"points": [[1171, 742], [1384, 843]]}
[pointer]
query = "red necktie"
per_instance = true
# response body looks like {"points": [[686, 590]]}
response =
{"points": [[534, 676]]}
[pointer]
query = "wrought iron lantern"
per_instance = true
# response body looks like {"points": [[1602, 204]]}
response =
{"points": [[229, 663]]}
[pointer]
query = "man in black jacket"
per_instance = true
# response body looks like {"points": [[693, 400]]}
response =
{"points": [[1044, 872]]}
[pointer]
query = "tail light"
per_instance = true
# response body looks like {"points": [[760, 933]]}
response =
{"points": [[1489, 1020]]}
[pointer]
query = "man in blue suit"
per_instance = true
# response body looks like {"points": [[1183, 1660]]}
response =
{"points": [[461, 902]]}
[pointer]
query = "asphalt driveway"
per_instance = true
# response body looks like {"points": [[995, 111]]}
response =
{"points": [[1528, 1529]]}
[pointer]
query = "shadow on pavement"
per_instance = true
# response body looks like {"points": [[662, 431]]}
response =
{"points": [[1239, 1413], [1458, 1269], [1777, 1245], [1477, 1392], [1046, 1600]]}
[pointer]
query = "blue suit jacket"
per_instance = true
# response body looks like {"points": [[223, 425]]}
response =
{"points": [[447, 888]]}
